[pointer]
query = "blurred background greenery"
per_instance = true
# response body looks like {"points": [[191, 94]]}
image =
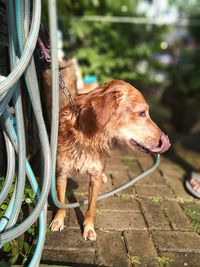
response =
{"points": [[152, 44]]}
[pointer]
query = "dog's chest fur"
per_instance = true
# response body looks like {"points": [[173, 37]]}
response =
{"points": [[77, 152]]}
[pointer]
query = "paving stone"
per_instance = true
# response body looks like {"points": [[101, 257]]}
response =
{"points": [[170, 229], [123, 203], [113, 204], [182, 259], [189, 156], [120, 221], [176, 241], [149, 191], [168, 168], [151, 264], [117, 171], [68, 240], [118, 176], [145, 161], [75, 196], [76, 217], [177, 186], [126, 151], [132, 165], [154, 178], [176, 216], [68, 258], [111, 249], [68, 246], [139, 244], [78, 183], [117, 151], [106, 187], [154, 215], [129, 192]]}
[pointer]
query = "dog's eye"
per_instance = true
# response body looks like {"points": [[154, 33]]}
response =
{"points": [[142, 114]]}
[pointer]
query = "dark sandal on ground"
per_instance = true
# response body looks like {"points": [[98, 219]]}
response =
{"points": [[190, 188]]}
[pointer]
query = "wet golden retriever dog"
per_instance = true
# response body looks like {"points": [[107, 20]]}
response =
{"points": [[114, 110]]}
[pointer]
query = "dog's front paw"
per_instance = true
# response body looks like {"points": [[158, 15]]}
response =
{"points": [[89, 233], [57, 224]]}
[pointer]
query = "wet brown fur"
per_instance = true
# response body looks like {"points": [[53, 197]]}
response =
{"points": [[108, 112]]}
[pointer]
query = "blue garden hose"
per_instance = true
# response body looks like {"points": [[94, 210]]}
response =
{"points": [[20, 180], [15, 138], [13, 128], [10, 169], [30, 75]]}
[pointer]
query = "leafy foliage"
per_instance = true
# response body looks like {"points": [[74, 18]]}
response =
{"points": [[19, 250], [186, 8], [110, 50], [127, 51], [185, 74]]}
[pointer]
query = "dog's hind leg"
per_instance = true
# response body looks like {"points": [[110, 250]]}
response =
{"points": [[89, 232], [58, 222]]}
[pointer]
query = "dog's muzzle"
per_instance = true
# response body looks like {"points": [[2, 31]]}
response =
{"points": [[164, 145]]}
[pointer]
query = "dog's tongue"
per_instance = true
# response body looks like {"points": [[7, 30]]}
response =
{"points": [[165, 145]]}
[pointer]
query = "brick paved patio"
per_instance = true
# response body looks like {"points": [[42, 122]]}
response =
{"points": [[154, 223]]}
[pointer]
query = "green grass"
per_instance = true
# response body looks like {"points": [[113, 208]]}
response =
{"points": [[98, 211], [129, 158], [125, 196], [196, 227], [157, 200], [163, 261], [130, 162], [132, 259], [192, 210]]}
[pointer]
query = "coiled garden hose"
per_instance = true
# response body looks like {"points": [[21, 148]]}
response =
{"points": [[10, 169], [30, 75], [28, 50], [20, 180], [13, 126], [16, 138]]}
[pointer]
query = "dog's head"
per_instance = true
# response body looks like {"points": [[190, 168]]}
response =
{"points": [[119, 110]]}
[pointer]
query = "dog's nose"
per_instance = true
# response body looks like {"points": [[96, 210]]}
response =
{"points": [[164, 145]]}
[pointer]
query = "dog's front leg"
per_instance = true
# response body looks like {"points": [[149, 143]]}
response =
{"points": [[89, 232], [58, 222]]}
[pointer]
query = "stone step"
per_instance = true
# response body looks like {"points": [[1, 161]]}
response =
{"points": [[67, 247], [113, 216]]}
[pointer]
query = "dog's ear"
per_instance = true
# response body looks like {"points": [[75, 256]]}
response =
{"points": [[98, 112], [105, 106]]}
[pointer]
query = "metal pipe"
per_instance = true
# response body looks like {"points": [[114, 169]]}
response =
{"points": [[161, 21]]}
